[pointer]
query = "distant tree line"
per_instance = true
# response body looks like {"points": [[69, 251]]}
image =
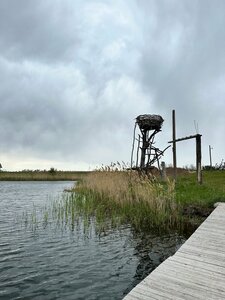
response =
{"points": [[220, 166]]}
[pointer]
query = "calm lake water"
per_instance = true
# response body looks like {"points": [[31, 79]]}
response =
{"points": [[53, 262]]}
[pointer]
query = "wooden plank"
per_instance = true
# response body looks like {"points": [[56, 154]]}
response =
{"points": [[205, 242], [191, 276], [171, 290], [144, 290], [195, 271], [177, 288], [187, 286], [204, 253], [204, 265], [208, 269], [201, 259], [194, 274]]}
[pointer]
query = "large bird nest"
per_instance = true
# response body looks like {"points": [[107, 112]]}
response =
{"points": [[150, 122]]}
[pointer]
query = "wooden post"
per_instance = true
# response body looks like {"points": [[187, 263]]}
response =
{"points": [[137, 158], [199, 158], [198, 153], [163, 166], [143, 149], [174, 146]]}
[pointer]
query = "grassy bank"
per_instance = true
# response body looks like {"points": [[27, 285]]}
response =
{"points": [[189, 192], [113, 198], [126, 197], [197, 201], [51, 175]]}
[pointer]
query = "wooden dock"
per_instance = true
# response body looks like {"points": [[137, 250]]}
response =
{"points": [[195, 271]]}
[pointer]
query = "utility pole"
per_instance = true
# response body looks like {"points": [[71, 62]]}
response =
{"points": [[210, 156]]}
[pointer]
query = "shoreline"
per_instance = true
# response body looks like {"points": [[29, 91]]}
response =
{"points": [[42, 175]]}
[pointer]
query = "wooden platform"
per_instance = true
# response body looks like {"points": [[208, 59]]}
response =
{"points": [[195, 271]]}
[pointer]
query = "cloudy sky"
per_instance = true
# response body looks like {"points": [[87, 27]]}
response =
{"points": [[74, 74]]}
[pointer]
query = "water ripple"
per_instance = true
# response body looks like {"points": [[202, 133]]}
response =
{"points": [[50, 263]]}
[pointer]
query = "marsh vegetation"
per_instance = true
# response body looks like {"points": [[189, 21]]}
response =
{"points": [[42, 175], [112, 197], [145, 202]]}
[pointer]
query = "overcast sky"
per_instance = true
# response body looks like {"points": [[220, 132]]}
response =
{"points": [[74, 74]]}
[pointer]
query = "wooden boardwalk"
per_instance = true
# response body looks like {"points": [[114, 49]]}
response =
{"points": [[195, 271]]}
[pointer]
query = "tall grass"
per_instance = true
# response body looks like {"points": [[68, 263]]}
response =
{"points": [[111, 197], [128, 197]]}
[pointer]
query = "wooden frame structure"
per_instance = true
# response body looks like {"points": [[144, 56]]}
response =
{"points": [[198, 153], [149, 126], [198, 150]]}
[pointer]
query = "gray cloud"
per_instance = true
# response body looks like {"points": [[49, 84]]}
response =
{"points": [[39, 31], [74, 75]]}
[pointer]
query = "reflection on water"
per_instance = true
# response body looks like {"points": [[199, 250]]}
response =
{"points": [[54, 262]]}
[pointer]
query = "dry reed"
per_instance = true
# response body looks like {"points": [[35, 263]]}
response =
{"points": [[130, 197]]}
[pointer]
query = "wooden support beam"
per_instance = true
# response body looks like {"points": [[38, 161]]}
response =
{"points": [[184, 138], [198, 150]]}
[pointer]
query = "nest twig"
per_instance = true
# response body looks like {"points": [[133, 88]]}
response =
{"points": [[150, 122]]}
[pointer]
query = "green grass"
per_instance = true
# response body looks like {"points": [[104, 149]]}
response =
{"points": [[122, 197], [212, 190]]}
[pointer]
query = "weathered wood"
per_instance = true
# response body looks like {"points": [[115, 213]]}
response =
{"points": [[195, 271], [137, 158], [143, 149], [132, 151], [198, 153], [149, 126], [184, 138], [174, 145], [198, 158]]}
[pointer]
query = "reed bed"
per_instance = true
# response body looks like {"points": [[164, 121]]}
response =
{"points": [[128, 197], [110, 199], [112, 196]]}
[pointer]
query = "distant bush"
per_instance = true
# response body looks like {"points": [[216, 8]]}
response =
{"points": [[220, 166], [52, 171], [190, 167], [207, 168]]}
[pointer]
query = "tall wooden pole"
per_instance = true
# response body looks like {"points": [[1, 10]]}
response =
{"points": [[143, 149], [174, 145], [137, 158], [199, 158]]}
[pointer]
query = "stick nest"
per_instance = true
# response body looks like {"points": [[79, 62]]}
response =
{"points": [[150, 122]]}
